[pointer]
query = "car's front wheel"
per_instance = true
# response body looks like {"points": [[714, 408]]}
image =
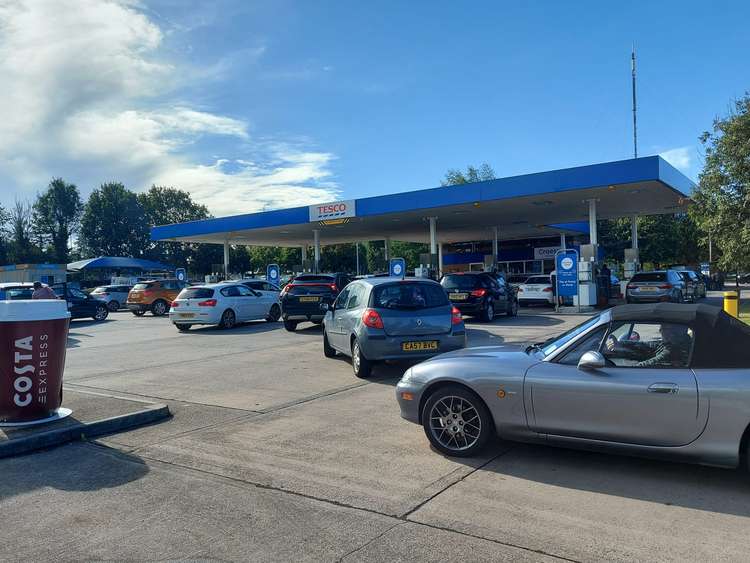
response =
{"points": [[457, 422], [159, 308], [228, 319], [113, 306], [183, 327], [291, 326], [362, 366], [328, 350], [274, 314], [138, 313], [101, 313]]}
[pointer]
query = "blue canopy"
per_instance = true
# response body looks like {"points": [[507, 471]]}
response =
{"points": [[117, 263]]}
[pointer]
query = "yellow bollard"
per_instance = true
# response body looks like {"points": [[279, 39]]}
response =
{"points": [[731, 303]]}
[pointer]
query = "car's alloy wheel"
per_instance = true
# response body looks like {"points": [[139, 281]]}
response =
{"points": [[362, 366], [101, 313], [291, 326], [228, 319], [139, 313], [328, 350], [274, 314], [113, 306], [456, 422], [159, 308]]}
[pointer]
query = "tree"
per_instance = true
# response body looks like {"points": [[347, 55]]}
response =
{"points": [[4, 235], [21, 248], [163, 206], [455, 177], [114, 223], [722, 199], [56, 216]]}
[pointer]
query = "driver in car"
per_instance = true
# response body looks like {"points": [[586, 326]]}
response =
{"points": [[671, 351]]}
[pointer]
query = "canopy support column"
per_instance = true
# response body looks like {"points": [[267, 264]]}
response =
{"points": [[495, 245], [562, 241], [433, 235], [226, 259], [440, 259], [316, 242], [593, 238], [634, 232], [387, 250]]}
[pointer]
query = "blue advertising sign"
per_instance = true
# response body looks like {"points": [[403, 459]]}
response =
{"points": [[272, 273], [180, 274], [398, 268], [566, 263]]}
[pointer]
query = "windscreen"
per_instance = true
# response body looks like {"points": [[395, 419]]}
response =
{"points": [[408, 296], [100, 290], [142, 286], [649, 277], [196, 293], [314, 279], [18, 293], [541, 280], [459, 282]]}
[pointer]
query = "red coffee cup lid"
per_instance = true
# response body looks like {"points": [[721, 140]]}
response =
{"points": [[33, 310]]}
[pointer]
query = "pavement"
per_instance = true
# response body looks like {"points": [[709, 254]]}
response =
{"points": [[276, 453]]}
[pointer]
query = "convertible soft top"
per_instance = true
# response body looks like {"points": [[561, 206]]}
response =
{"points": [[721, 341]]}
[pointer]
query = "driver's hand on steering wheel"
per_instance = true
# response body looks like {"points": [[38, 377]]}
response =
{"points": [[611, 343]]}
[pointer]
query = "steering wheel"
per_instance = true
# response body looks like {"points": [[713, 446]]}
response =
{"points": [[611, 343]]}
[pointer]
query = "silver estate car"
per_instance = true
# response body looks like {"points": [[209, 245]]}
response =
{"points": [[391, 319], [662, 380]]}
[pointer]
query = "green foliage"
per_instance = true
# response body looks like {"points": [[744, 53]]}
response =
{"points": [[261, 256], [455, 177], [114, 223], [22, 248], [409, 251], [4, 235], [722, 200], [56, 215]]}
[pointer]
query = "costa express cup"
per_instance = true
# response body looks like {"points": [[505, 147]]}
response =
{"points": [[33, 336]]}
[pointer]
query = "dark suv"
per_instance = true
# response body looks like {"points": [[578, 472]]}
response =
{"points": [[652, 287], [80, 304], [481, 294], [307, 297]]}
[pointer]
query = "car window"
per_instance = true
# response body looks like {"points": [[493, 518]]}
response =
{"points": [[142, 286], [557, 342], [312, 278], [18, 293], [588, 343], [648, 345], [254, 284], [416, 295], [231, 291], [537, 280], [356, 293], [649, 277], [342, 299], [100, 289], [459, 281], [196, 293], [245, 291], [77, 294]]}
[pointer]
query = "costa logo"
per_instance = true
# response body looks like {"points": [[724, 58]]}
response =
{"points": [[333, 210]]}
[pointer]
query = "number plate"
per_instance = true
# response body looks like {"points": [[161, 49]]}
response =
{"points": [[187, 315], [421, 346], [458, 296], [648, 289], [309, 299]]}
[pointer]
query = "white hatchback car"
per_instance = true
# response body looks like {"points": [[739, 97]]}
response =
{"points": [[223, 304], [536, 289]]}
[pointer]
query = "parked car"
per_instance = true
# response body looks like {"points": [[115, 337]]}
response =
{"points": [[81, 305], [652, 287], [113, 295], [391, 319], [306, 296], [11, 291], [223, 304], [637, 379], [480, 294], [262, 285], [536, 290], [154, 296]]}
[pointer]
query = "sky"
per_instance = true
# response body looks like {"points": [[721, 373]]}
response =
{"points": [[260, 105]]}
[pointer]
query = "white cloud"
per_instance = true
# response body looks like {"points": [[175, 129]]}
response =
{"points": [[681, 158], [86, 95]]}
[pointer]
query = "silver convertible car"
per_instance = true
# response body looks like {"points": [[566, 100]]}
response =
{"points": [[664, 380]]}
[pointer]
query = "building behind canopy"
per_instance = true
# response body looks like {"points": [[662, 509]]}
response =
{"points": [[515, 223]]}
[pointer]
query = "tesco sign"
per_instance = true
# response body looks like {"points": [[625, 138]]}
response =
{"points": [[333, 210]]}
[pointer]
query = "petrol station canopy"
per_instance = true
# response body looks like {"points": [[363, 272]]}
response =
{"points": [[531, 205]]}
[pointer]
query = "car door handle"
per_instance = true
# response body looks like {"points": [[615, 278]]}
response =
{"points": [[663, 388]]}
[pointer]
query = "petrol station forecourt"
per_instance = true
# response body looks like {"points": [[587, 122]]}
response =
{"points": [[557, 206]]}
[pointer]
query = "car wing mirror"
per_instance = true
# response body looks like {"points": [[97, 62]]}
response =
{"points": [[591, 361]]}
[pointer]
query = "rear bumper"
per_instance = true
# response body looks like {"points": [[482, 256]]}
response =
{"points": [[640, 298], [138, 306], [381, 347], [302, 317], [538, 300], [207, 318]]}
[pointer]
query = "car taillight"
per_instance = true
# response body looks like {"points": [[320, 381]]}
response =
{"points": [[333, 287], [372, 319], [665, 286], [207, 303], [456, 318], [174, 304], [479, 293], [286, 289], [547, 289]]}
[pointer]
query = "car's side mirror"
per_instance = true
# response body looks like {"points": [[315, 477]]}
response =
{"points": [[591, 360]]}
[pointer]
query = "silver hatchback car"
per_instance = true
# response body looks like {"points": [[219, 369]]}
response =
{"points": [[391, 319]]}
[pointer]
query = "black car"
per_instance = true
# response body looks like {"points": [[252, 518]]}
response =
{"points": [[81, 305], [481, 294], [307, 297]]}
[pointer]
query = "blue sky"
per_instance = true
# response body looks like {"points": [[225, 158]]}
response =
{"points": [[259, 105]]}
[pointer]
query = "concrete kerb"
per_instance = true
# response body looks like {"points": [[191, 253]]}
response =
{"points": [[154, 412]]}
